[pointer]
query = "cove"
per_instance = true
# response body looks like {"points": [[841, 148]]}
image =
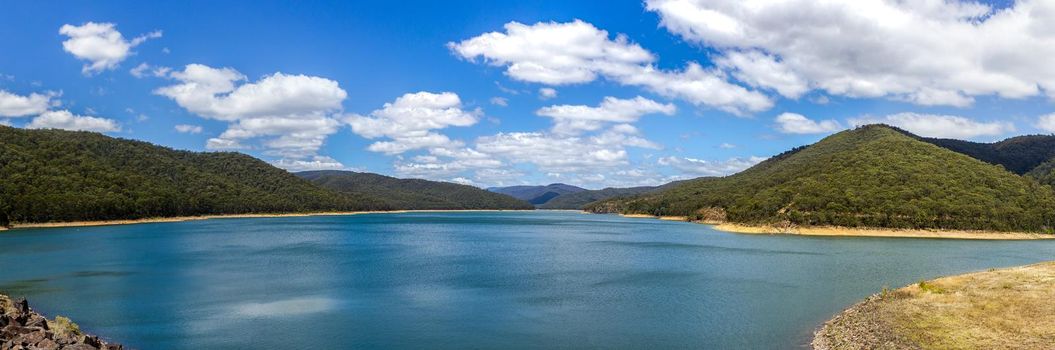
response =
{"points": [[542, 279]]}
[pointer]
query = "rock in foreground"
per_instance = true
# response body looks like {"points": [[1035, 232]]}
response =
{"points": [[22, 328]]}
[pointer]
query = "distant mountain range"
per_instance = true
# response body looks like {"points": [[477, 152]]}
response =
{"points": [[873, 176], [412, 193], [537, 195], [57, 176]]}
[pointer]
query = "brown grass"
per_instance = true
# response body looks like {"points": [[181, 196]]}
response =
{"points": [[997, 309]]}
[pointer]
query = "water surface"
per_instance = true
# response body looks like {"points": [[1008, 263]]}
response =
{"points": [[465, 280]]}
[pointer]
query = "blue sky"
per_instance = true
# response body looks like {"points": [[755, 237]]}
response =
{"points": [[305, 85]]}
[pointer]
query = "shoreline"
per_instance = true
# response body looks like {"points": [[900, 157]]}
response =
{"points": [[228, 216], [835, 231], [990, 309]]}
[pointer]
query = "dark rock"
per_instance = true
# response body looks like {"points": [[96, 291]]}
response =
{"points": [[47, 344], [23, 329]]}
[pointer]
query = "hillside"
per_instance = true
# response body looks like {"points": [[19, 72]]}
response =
{"points": [[872, 176], [55, 175], [578, 200], [537, 195], [412, 193], [1019, 154]]}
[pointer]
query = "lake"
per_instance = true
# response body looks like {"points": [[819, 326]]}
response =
{"points": [[498, 280]]}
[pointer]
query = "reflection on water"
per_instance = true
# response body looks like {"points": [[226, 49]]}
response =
{"points": [[464, 280]]}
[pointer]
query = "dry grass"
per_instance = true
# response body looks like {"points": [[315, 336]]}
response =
{"points": [[997, 309]]}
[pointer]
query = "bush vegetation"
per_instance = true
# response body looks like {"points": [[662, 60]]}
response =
{"points": [[55, 175], [872, 176]]}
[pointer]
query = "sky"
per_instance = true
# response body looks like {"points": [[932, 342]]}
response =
{"points": [[492, 93]]}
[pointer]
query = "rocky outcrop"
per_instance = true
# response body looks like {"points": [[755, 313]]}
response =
{"points": [[22, 328]]}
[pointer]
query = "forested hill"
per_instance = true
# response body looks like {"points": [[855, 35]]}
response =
{"points": [[55, 175], [1020, 154], [872, 176], [413, 193]]}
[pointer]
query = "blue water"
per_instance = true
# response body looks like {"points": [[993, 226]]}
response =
{"points": [[495, 280]]}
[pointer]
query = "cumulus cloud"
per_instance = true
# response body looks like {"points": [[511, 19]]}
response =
{"points": [[65, 120], [315, 163], [794, 123], [942, 126], [100, 44], [565, 154], [700, 167], [188, 129], [409, 122], [500, 101], [573, 119], [577, 52], [924, 52], [12, 105], [1046, 123], [292, 114], [547, 93]]}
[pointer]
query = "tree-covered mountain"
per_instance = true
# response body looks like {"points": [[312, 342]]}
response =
{"points": [[872, 176], [55, 175], [412, 193], [1019, 154], [537, 195], [578, 200]]}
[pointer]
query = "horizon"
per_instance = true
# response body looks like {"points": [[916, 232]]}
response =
{"points": [[591, 95]]}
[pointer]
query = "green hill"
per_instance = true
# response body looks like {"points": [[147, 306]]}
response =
{"points": [[1019, 154], [578, 200], [413, 193], [55, 175], [872, 176]]}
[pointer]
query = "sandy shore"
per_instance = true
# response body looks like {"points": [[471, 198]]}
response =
{"points": [[1010, 308], [668, 218], [856, 231], [230, 216], [881, 232]]}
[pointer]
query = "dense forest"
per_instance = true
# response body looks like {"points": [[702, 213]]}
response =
{"points": [[1019, 154], [872, 176], [55, 175], [412, 193]]}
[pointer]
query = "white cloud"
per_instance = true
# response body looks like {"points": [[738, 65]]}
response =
{"points": [[100, 44], [573, 119], [143, 70], [553, 53], [68, 121], [409, 122], [500, 101], [942, 126], [188, 129], [700, 167], [761, 70], [726, 145], [794, 123], [547, 93], [1046, 123], [565, 153], [315, 163], [12, 105], [924, 52], [577, 52], [292, 113]]}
